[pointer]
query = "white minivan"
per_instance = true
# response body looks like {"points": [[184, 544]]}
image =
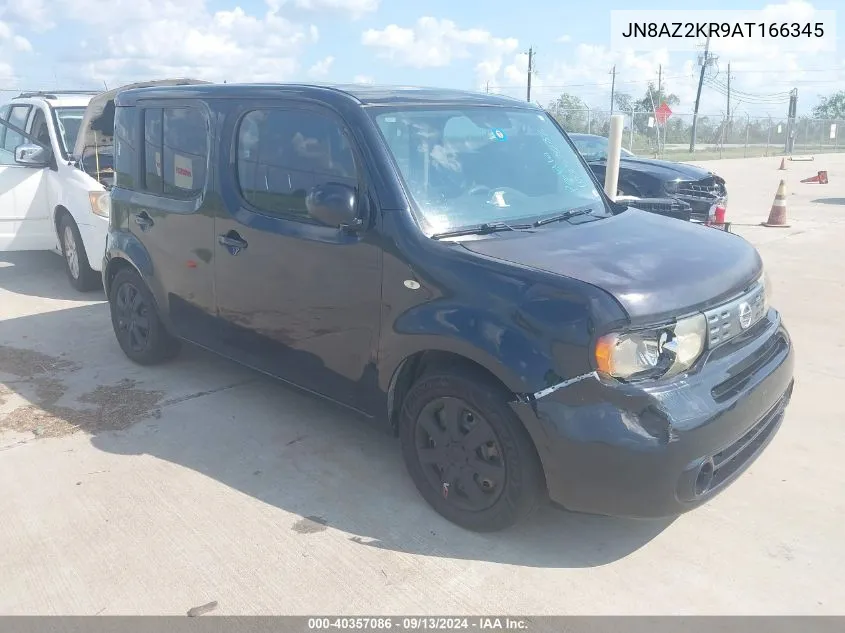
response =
{"points": [[56, 167]]}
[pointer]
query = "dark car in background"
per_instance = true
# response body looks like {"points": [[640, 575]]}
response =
{"points": [[444, 263], [651, 178]]}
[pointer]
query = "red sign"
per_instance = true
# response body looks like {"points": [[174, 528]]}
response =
{"points": [[663, 113]]}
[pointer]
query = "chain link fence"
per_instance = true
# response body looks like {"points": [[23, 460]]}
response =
{"points": [[716, 136]]}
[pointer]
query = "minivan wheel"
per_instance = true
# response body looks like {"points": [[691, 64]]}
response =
{"points": [[467, 452], [79, 271], [136, 323]]}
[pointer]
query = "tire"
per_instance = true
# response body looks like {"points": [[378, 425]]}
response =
{"points": [[137, 326], [77, 267], [504, 467]]}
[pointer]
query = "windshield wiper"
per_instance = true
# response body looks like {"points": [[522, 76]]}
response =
{"points": [[482, 229], [569, 213]]}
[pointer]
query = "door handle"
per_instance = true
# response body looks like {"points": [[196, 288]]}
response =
{"points": [[233, 242], [143, 220]]}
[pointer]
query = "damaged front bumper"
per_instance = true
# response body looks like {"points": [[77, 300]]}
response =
{"points": [[628, 450]]}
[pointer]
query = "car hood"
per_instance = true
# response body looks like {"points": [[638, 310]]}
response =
{"points": [[662, 169], [97, 127], [655, 267]]}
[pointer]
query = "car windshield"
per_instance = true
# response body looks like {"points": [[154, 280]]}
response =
{"points": [[69, 121], [478, 164], [594, 148]]}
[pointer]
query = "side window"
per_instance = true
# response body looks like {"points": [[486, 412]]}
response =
{"points": [[17, 117], [185, 152], [38, 128], [4, 116], [152, 150], [283, 154], [125, 137]]}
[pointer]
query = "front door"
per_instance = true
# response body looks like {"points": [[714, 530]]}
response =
{"points": [[296, 298], [25, 220]]}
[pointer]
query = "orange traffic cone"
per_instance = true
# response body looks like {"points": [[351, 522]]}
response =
{"points": [[777, 216], [782, 164], [819, 178]]}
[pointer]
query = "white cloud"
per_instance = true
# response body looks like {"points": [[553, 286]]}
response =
{"points": [[322, 67], [363, 79], [563, 39], [353, 8], [154, 40], [433, 43], [32, 14]]}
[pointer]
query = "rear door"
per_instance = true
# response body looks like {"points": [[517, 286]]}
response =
{"points": [[25, 220], [168, 207]]}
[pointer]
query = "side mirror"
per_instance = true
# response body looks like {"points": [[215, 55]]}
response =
{"points": [[334, 204], [32, 155]]}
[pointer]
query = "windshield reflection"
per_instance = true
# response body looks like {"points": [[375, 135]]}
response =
{"points": [[479, 164]]}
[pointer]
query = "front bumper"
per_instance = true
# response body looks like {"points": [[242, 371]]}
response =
{"points": [[624, 450], [94, 239]]}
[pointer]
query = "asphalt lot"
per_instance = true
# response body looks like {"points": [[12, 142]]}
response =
{"points": [[128, 490]]}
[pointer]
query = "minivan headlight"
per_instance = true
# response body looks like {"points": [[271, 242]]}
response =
{"points": [[100, 203], [653, 353]]}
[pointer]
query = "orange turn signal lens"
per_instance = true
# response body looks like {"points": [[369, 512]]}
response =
{"points": [[604, 353]]}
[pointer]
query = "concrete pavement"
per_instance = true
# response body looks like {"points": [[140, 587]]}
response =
{"points": [[129, 490]]}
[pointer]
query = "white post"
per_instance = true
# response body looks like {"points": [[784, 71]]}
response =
{"points": [[614, 150]]}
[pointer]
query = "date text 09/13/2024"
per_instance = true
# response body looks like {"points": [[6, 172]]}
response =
{"points": [[423, 623]]}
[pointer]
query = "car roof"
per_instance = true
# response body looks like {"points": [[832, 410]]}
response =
{"points": [[335, 94], [56, 99]]}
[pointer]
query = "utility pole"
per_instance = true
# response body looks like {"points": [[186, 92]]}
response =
{"points": [[530, 72], [660, 81], [790, 121], [698, 95], [612, 88], [488, 88], [728, 108]]}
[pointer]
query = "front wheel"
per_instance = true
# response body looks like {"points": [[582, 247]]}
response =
{"points": [[136, 323], [79, 272], [467, 452]]}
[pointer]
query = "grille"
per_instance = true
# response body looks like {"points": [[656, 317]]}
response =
{"points": [[725, 322], [704, 190], [661, 206], [732, 459], [742, 373]]}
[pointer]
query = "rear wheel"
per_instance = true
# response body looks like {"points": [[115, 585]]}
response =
{"points": [[136, 323], [79, 272], [467, 452]]}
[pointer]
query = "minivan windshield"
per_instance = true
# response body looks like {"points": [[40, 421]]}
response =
{"points": [[474, 165], [69, 120]]}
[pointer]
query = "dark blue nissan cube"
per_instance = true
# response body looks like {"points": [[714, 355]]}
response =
{"points": [[445, 263]]}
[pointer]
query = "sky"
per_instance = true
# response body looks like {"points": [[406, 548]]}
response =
{"points": [[468, 44]]}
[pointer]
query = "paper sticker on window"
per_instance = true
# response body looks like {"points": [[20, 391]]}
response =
{"points": [[497, 135], [158, 164], [183, 176]]}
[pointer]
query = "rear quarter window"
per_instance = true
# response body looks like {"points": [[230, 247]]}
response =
{"points": [[125, 139]]}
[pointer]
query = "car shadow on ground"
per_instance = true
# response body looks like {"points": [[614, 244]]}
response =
{"points": [[308, 457], [40, 274]]}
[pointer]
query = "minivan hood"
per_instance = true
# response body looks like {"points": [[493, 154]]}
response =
{"points": [[97, 127], [654, 266]]}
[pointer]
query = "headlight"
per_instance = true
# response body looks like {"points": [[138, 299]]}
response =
{"points": [[767, 292], [100, 203], [654, 353]]}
